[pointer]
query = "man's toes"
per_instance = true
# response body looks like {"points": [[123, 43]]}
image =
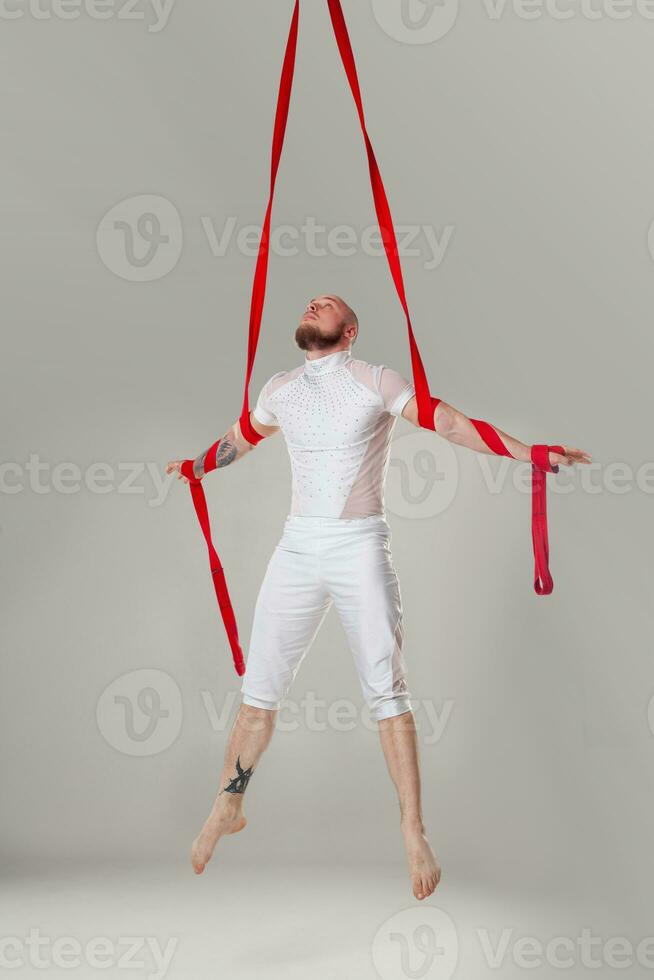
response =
{"points": [[417, 887], [196, 860]]}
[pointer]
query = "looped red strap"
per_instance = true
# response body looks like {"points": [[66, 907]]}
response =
{"points": [[540, 459], [217, 573], [427, 404]]}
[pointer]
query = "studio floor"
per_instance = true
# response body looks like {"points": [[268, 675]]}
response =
{"points": [[309, 923]]}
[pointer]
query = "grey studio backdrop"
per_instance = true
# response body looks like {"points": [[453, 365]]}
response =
{"points": [[524, 147]]}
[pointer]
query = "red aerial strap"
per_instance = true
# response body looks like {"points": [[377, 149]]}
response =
{"points": [[217, 573], [261, 269], [256, 312], [540, 459], [427, 404]]}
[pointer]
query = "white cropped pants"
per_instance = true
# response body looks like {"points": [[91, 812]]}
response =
{"points": [[320, 561]]}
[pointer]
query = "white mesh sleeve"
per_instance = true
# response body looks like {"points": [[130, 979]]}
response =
{"points": [[395, 390], [262, 410]]}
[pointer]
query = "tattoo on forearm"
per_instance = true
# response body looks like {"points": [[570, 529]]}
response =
{"points": [[198, 466], [226, 452], [239, 783]]}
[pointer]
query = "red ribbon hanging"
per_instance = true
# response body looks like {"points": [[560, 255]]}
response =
{"points": [[427, 404]]}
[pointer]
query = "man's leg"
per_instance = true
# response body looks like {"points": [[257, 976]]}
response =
{"points": [[249, 737], [290, 608], [366, 590], [400, 744]]}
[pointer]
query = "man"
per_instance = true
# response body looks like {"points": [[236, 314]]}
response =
{"points": [[337, 415]]}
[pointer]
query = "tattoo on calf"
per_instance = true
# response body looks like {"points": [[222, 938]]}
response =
{"points": [[239, 783]]}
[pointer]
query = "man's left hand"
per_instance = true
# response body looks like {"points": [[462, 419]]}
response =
{"points": [[569, 457]]}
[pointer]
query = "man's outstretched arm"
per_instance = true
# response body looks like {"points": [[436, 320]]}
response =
{"points": [[456, 427], [231, 447]]}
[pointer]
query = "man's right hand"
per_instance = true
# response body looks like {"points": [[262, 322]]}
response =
{"points": [[231, 447], [175, 466]]}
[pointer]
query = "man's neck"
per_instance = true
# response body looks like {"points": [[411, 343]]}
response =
{"points": [[325, 363], [311, 355]]}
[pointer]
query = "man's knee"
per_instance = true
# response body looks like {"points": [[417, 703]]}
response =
{"points": [[258, 704], [388, 706], [257, 717]]}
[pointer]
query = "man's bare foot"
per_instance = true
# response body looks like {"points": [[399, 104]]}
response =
{"points": [[223, 819], [423, 866]]}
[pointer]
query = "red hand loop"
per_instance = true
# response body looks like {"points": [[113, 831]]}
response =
{"points": [[540, 458], [186, 469], [218, 576]]}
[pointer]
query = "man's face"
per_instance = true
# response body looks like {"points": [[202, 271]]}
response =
{"points": [[322, 325]]}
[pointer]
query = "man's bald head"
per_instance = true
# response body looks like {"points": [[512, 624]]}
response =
{"points": [[328, 322], [349, 316]]}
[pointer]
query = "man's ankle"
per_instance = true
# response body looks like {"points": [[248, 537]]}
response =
{"points": [[412, 823], [228, 804]]}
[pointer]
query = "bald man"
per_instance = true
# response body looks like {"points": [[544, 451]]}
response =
{"points": [[337, 414]]}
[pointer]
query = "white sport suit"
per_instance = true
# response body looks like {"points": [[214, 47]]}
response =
{"points": [[337, 416]]}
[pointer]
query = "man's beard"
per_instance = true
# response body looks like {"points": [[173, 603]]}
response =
{"points": [[309, 337]]}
